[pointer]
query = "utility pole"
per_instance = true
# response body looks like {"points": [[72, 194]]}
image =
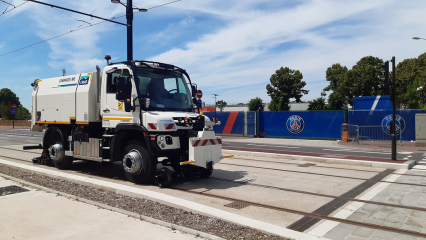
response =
{"points": [[215, 95]]}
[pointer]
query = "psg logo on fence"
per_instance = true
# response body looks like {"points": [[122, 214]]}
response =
{"points": [[399, 124], [295, 124]]}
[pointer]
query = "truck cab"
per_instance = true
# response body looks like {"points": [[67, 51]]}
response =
{"points": [[135, 112]]}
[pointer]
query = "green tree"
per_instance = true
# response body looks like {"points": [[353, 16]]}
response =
{"points": [[7, 113], [2, 106], [364, 79], [255, 104], [285, 84], [317, 104], [406, 73], [336, 75], [221, 104], [8, 97], [23, 113]]}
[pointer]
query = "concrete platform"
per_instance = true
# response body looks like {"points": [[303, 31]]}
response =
{"points": [[39, 215]]}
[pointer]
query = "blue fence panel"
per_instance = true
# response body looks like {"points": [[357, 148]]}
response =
{"points": [[251, 123], [238, 127], [405, 120], [311, 124], [372, 102], [223, 117]]}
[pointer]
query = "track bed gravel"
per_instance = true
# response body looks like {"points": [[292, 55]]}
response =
{"points": [[214, 226]]}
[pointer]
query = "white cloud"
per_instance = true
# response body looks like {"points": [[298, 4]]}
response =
{"points": [[250, 39], [315, 34]]}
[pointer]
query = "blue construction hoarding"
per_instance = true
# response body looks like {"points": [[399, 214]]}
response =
{"points": [[308, 125], [372, 103], [405, 122]]}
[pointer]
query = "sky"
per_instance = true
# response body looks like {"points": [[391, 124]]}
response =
{"points": [[228, 47]]}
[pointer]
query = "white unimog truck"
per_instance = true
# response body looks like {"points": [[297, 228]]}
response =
{"points": [[134, 112]]}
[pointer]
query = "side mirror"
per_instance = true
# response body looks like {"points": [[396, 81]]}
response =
{"points": [[120, 84], [194, 90], [203, 105], [145, 103]]}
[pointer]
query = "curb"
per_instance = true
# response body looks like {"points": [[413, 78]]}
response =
{"points": [[361, 163], [131, 214]]}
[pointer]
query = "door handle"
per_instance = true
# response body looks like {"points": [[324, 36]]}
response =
{"points": [[106, 110]]}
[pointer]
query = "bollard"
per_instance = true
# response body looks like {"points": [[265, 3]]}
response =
{"points": [[345, 132]]}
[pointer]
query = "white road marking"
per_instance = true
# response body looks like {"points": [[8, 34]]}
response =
{"points": [[419, 167], [258, 145], [232, 217], [405, 158], [323, 228], [350, 150]]}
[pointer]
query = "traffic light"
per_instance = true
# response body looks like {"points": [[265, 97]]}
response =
{"points": [[385, 71], [385, 79]]}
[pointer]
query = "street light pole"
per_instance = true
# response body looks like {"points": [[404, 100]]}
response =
{"points": [[129, 17]]}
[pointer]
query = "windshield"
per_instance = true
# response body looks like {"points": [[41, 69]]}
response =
{"points": [[167, 90]]}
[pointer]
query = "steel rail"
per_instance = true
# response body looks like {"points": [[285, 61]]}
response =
{"points": [[326, 175], [307, 214], [318, 216]]}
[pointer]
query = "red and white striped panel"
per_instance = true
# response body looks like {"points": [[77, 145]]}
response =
{"points": [[207, 142]]}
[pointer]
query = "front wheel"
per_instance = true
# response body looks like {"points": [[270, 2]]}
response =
{"points": [[137, 164]]}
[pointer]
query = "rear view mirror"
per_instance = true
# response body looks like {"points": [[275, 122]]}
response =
{"points": [[194, 90], [120, 84]]}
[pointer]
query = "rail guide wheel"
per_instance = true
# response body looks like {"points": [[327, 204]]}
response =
{"points": [[163, 177], [206, 172]]}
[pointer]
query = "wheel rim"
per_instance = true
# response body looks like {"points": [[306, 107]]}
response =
{"points": [[56, 152], [132, 162]]}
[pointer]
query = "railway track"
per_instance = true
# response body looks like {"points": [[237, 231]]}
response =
{"points": [[287, 210]]}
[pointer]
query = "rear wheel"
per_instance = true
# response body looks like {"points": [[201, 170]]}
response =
{"points": [[55, 141], [138, 166]]}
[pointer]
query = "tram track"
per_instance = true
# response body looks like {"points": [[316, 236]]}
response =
{"points": [[288, 189], [318, 166], [306, 214], [327, 175], [289, 210]]}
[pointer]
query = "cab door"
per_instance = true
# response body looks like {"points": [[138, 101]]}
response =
{"points": [[117, 111]]}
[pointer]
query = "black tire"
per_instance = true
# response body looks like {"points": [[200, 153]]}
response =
{"points": [[55, 135], [163, 177], [206, 172], [149, 164]]}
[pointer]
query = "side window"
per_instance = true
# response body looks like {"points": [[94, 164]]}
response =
{"points": [[112, 80], [170, 84]]}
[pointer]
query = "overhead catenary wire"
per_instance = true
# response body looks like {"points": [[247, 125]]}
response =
{"points": [[71, 31], [12, 8]]}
